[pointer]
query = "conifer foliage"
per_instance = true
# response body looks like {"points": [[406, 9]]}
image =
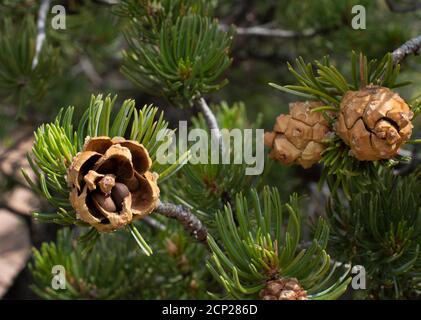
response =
{"points": [[134, 227]]}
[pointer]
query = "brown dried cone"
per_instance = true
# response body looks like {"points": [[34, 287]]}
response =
{"points": [[283, 289], [374, 122], [110, 183], [297, 137]]}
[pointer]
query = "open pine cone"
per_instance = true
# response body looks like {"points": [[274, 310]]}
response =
{"points": [[283, 289], [110, 183], [374, 122], [297, 137]]}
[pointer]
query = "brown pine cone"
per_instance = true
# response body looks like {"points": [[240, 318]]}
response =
{"points": [[297, 137], [374, 122], [283, 289], [110, 183]]}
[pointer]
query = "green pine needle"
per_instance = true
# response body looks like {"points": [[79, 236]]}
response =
{"points": [[146, 249], [324, 82], [19, 82], [185, 60], [255, 246], [57, 143]]}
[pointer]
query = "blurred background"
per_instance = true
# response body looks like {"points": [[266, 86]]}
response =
{"points": [[86, 58]]}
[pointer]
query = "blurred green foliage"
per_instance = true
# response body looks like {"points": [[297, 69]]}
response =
{"points": [[115, 270], [381, 230]]}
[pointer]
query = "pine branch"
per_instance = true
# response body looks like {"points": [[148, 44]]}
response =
{"points": [[389, 213], [261, 31], [280, 33], [108, 2], [412, 46], [155, 223], [211, 122], [195, 64], [42, 17], [257, 244], [187, 219], [88, 68], [127, 275]]}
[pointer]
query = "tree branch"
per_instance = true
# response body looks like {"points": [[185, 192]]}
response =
{"points": [[211, 122], [410, 47], [42, 17], [190, 222], [412, 6], [154, 223], [262, 31], [107, 2], [88, 68]]}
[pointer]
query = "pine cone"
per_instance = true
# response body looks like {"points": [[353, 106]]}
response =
{"points": [[374, 122], [110, 183], [297, 137], [283, 289]]}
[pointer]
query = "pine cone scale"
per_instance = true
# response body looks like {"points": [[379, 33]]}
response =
{"points": [[80, 167], [117, 159]]}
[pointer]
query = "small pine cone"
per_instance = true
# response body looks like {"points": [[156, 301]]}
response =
{"points": [[297, 137], [283, 289], [111, 184], [374, 122]]}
